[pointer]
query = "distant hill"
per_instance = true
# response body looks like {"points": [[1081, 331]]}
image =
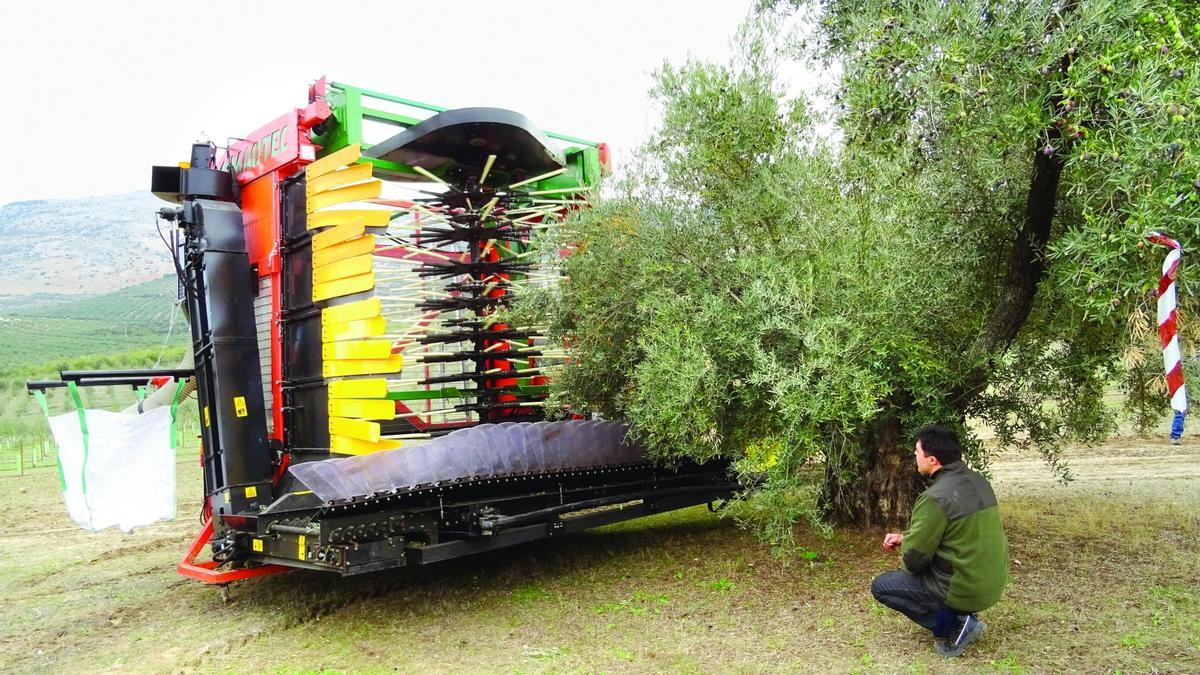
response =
{"points": [[78, 247]]}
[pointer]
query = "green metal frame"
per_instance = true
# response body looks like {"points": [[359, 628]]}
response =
{"points": [[352, 106], [454, 392]]}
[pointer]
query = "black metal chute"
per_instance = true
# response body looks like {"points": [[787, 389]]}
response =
{"points": [[466, 137]]}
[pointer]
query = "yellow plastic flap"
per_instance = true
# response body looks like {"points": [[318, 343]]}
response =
{"points": [[345, 445], [364, 409], [375, 387], [350, 267], [336, 179], [346, 249], [360, 429], [337, 234], [350, 193], [347, 286], [353, 330], [369, 218], [362, 367], [333, 162], [357, 349], [352, 311]]}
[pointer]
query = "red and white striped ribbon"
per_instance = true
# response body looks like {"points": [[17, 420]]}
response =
{"points": [[1168, 328]]}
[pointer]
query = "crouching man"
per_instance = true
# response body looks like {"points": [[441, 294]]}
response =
{"points": [[954, 555]]}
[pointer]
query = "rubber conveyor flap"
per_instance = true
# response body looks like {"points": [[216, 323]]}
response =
{"points": [[480, 452]]}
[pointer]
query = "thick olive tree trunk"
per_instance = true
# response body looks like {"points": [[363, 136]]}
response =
{"points": [[881, 490]]}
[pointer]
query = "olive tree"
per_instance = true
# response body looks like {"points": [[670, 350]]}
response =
{"points": [[956, 236]]}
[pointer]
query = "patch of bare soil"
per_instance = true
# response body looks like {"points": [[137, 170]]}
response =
{"points": [[1125, 465]]}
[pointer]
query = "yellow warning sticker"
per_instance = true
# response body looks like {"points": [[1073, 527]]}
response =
{"points": [[251, 492], [301, 547], [207, 421], [239, 405], [257, 545]]}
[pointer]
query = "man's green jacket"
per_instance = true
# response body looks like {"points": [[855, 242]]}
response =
{"points": [[955, 540]]}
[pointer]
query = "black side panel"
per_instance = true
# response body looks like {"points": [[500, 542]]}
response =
{"points": [[233, 415], [306, 405]]}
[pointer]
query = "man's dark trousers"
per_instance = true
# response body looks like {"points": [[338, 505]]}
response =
{"points": [[912, 597]]}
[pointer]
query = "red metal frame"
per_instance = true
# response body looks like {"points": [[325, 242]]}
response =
{"points": [[206, 571], [273, 153]]}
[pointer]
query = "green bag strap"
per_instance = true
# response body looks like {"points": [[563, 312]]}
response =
{"points": [[74, 391], [141, 391], [175, 404], [41, 399]]}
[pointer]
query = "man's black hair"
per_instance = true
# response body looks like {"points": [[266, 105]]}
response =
{"points": [[940, 442]]}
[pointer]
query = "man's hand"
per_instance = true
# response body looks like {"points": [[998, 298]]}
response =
{"points": [[892, 540]]}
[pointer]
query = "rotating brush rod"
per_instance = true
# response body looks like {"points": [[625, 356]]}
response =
{"points": [[494, 227]]}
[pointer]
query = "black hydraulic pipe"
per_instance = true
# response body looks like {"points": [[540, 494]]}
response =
{"points": [[77, 375], [520, 518], [103, 382], [292, 529], [464, 377], [43, 384]]}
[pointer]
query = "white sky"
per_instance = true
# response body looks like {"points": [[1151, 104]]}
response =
{"points": [[95, 93]]}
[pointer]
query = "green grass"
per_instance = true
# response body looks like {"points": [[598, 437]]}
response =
{"points": [[1104, 585]]}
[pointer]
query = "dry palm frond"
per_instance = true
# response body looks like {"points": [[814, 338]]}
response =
{"points": [[1139, 325], [1133, 357]]}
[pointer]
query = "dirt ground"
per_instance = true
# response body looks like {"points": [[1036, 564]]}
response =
{"points": [[1126, 465], [1104, 574]]}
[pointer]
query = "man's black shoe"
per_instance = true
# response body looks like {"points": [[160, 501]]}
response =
{"points": [[972, 630]]}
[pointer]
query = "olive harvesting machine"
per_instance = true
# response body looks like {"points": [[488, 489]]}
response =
{"points": [[362, 404]]}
